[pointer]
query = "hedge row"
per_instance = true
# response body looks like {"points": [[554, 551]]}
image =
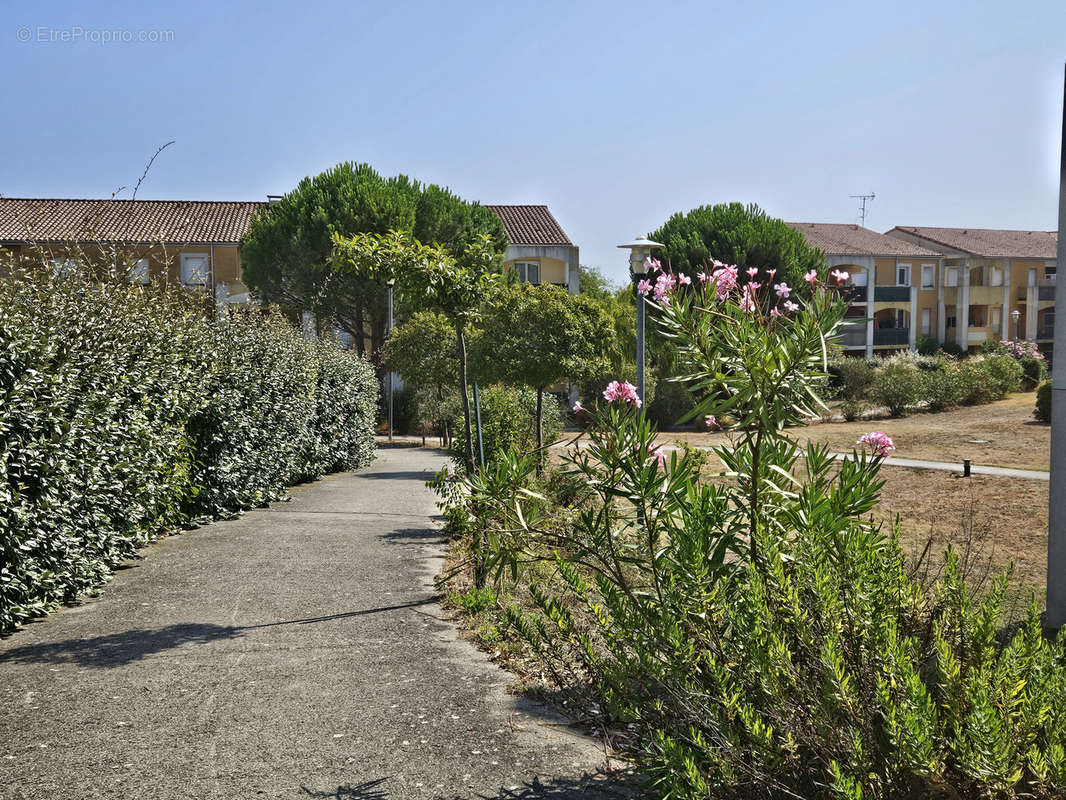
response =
{"points": [[126, 412]]}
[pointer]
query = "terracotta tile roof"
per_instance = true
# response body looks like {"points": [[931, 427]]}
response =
{"points": [[531, 225], [989, 243], [836, 239], [124, 221]]}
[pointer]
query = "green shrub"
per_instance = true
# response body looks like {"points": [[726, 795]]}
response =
{"points": [[942, 389], [1026, 353], [853, 409], [508, 421], [474, 600], [405, 413], [987, 378], [896, 386], [127, 411], [671, 401], [851, 377], [927, 345], [1043, 402], [952, 349]]}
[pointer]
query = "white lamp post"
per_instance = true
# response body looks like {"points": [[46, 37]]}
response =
{"points": [[639, 253], [1014, 315]]}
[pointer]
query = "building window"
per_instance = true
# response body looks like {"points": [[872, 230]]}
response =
{"points": [[902, 318], [953, 277], [927, 321], [139, 273], [194, 269], [995, 315], [928, 276], [903, 274], [858, 277], [528, 271], [997, 277]]}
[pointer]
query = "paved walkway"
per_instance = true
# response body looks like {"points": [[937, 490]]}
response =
{"points": [[295, 652]]}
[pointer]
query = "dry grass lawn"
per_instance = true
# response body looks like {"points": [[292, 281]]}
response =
{"points": [[1000, 434]]}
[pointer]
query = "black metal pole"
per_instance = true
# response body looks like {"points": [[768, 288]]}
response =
{"points": [[388, 376]]}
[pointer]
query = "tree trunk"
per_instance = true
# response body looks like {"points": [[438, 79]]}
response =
{"points": [[540, 430], [469, 443]]}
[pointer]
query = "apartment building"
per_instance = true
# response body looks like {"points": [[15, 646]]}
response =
{"points": [[988, 275], [893, 285], [540, 250]]}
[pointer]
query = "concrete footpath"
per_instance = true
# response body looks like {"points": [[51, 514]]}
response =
{"points": [[294, 652]]}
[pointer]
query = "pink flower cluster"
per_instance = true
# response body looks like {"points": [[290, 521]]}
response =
{"points": [[623, 391], [656, 454], [878, 442], [1022, 349]]}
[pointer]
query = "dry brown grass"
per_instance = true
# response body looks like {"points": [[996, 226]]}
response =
{"points": [[1000, 434]]}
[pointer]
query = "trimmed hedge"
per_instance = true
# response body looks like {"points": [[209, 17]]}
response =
{"points": [[127, 411]]}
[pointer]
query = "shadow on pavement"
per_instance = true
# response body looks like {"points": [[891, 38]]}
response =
{"points": [[590, 787], [119, 649], [415, 535], [402, 475]]}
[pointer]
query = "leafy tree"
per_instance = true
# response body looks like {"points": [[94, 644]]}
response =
{"points": [[741, 235], [424, 351], [428, 278], [593, 283], [285, 253], [540, 335]]}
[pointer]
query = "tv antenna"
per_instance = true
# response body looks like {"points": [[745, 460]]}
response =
{"points": [[862, 198]]}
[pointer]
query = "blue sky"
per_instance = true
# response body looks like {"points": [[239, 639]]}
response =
{"points": [[614, 114]]}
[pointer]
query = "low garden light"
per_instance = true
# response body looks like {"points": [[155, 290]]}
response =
{"points": [[390, 283], [639, 261]]}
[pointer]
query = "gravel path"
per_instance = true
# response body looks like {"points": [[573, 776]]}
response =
{"points": [[294, 652]]}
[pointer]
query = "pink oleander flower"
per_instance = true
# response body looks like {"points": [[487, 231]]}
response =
{"points": [[774, 312], [710, 422], [663, 285], [752, 271], [840, 275], [622, 390], [811, 277], [747, 300], [771, 273], [878, 442], [684, 279], [704, 276], [725, 280], [644, 287], [578, 407], [753, 285], [659, 456], [782, 289], [652, 264], [790, 306]]}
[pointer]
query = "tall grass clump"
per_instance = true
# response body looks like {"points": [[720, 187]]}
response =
{"points": [[759, 636], [127, 411]]}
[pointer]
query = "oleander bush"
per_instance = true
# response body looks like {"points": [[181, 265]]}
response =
{"points": [[1026, 353], [128, 411], [760, 637], [851, 377], [896, 386]]}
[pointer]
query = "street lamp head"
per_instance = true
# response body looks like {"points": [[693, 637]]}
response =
{"points": [[390, 282], [639, 253], [1014, 315]]}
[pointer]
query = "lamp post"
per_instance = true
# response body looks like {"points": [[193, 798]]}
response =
{"points": [[1014, 315], [639, 255], [388, 329]]}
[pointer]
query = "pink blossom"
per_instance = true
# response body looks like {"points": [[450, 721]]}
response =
{"points": [[684, 279], [652, 264], [782, 289], [658, 455], [704, 276], [771, 273], [840, 275], [622, 390], [752, 271], [811, 277], [644, 287], [710, 421], [578, 407], [790, 306], [774, 312], [663, 285], [878, 442], [725, 280], [747, 299], [753, 285]]}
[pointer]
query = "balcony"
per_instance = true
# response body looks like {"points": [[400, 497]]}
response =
{"points": [[853, 294], [892, 294], [853, 334], [895, 337], [1045, 292], [1046, 333]]}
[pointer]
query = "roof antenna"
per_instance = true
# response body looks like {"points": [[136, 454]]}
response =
{"points": [[862, 205]]}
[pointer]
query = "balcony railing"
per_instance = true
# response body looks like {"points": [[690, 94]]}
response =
{"points": [[853, 334], [892, 336], [892, 294], [1047, 332], [1045, 292], [853, 294]]}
